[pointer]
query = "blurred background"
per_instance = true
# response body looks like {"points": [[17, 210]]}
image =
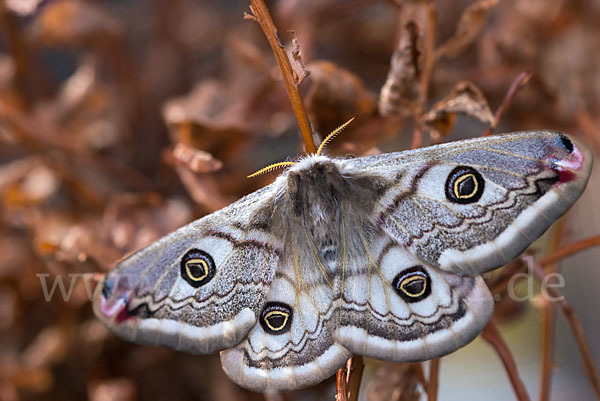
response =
{"points": [[123, 120]]}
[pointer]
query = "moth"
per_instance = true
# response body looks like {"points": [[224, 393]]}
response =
{"points": [[379, 256]]}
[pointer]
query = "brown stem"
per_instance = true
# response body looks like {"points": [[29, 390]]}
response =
{"points": [[498, 285], [348, 379], [341, 383], [548, 317], [428, 64], [500, 282], [428, 51], [547, 347], [433, 385], [355, 371], [492, 336], [260, 13], [421, 374], [19, 54], [274, 397], [569, 250], [576, 327], [518, 84], [417, 138]]}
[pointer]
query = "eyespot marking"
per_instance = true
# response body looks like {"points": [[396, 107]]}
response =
{"points": [[197, 267], [412, 284], [276, 318], [464, 185], [567, 143], [107, 287]]}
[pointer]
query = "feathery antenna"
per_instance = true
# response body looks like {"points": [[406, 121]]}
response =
{"points": [[330, 137], [327, 139], [270, 167]]}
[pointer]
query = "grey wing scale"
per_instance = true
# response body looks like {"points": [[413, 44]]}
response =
{"points": [[530, 180], [295, 347], [394, 307], [199, 289], [330, 307]]}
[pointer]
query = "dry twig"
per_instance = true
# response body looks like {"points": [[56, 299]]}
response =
{"points": [[492, 336], [518, 84], [433, 384], [348, 379], [428, 64], [548, 316], [261, 14], [576, 327], [570, 249]]}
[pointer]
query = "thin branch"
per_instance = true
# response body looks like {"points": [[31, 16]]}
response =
{"points": [[15, 44], [548, 317], [421, 374], [417, 138], [356, 366], [492, 336], [498, 285], [260, 14], [519, 83], [428, 51], [570, 249], [500, 282], [547, 347], [274, 396], [433, 385], [341, 383], [428, 64], [576, 327], [348, 379]]}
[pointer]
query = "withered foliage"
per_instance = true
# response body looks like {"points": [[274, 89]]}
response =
{"points": [[121, 121]]}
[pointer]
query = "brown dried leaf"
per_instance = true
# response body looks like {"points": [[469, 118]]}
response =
{"points": [[335, 96], [120, 389], [203, 188], [470, 23], [73, 23], [17, 170], [89, 110], [401, 93], [36, 380], [133, 221], [207, 119], [299, 67], [195, 160], [465, 98], [24, 184], [394, 381], [23, 7], [8, 305], [14, 254], [49, 347], [79, 243]]}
